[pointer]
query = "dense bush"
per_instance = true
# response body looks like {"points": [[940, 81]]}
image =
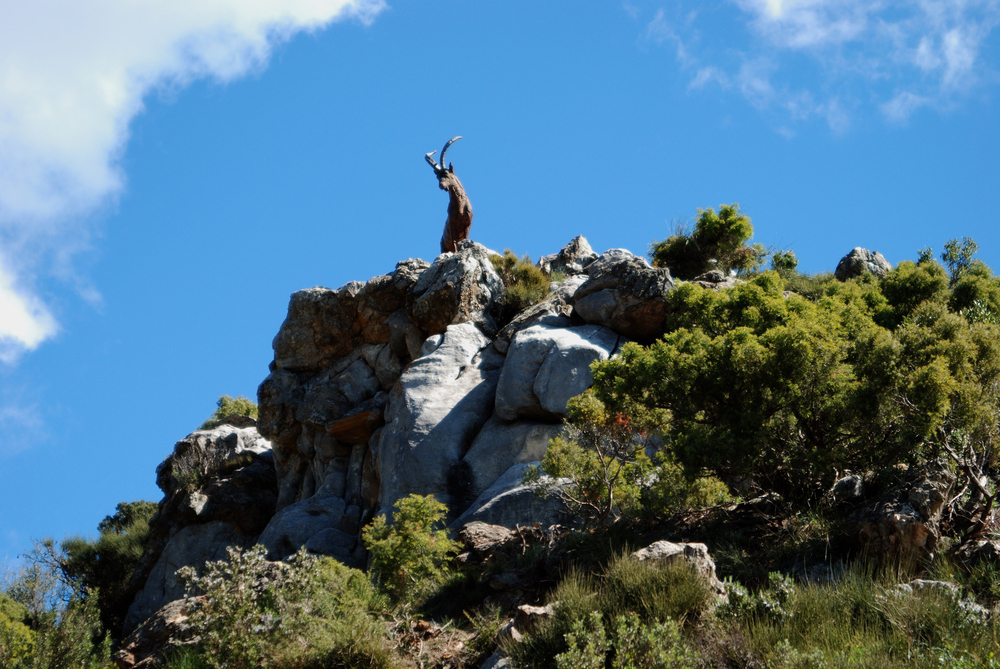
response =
{"points": [[229, 406], [307, 612], [408, 555], [788, 391], [524, 283], [646, 596], [716, 237], [607, 459]]}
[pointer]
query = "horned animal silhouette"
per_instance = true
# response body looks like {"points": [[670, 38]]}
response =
{"points": [[456, 226]]}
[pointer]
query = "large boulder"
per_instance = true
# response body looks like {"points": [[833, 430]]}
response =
{"points": [[546, 366], [192, 546], [859, 261], [624, 293], [458, 288], [434, 412], [574, 258], [220, 490], [317, 524], [905, 523], [556, 310]]}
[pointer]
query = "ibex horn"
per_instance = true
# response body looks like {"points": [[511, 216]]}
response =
{"points": [[446, 145]]}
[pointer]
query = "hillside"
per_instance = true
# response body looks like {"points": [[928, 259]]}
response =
{"points": [[801, 469]]}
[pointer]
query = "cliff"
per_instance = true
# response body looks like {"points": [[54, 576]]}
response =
{"points": [[402, 384]]}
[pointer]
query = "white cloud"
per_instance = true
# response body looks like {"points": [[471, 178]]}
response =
{"points": [[22, 427], [73, 74], [900, 107], [25, 322]]}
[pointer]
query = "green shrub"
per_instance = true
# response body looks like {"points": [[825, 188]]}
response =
{"points": [[408, 557], [720, 237], [250, 605], [788, 392], [103, 568], [631, 645], [648, 597], [228, 406], [308, 612], [604, 456], [17, 640], [74, 640], [784, 262], [524, 283]]}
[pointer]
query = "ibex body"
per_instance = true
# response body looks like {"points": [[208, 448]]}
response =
{"points": [[456, 227]]}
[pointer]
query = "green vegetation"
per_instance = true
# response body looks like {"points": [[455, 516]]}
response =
{"points": [[605, 457], [729, 430], [787, 391], [717, 242], [408, 556], [306, 612], [101, 569], [524, 282], [229, 406]]}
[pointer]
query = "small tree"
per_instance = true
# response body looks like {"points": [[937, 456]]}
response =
{"points": [[102, 568], [957, 257], [603, 457], [784, 262], [229, 406], [408, 556], [717, 237]]}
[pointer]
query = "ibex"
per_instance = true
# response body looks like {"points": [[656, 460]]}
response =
{"points": [[456, 228]]}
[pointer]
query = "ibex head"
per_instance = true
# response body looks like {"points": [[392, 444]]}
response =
{"points": [[439, 169]]}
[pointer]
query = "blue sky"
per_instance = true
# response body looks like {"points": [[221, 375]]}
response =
{"points": [[171, 173]]}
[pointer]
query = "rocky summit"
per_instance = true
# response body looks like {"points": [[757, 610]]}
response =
{"points": [[402, 384]]}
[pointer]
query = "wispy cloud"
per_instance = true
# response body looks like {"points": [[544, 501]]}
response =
{"points": [[21, 426], [825, 58], [72, 77]]}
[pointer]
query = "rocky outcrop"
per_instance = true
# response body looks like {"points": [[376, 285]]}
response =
{"points": [[693, 554], [394, 386], [220, 490], [904, 524], [437, 402], [624, 293], [859, 261], [164, 631], [574, 258]]}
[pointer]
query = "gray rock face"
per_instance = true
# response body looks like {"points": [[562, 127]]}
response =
{"points": [[220, 490], [315, 523], [164, 632], [510, 503], [434, 412], [193, 545], [555, 310], [546, 366], [574, 258], [624, 293], [501, 445], [859, 261], [458, 288]]}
